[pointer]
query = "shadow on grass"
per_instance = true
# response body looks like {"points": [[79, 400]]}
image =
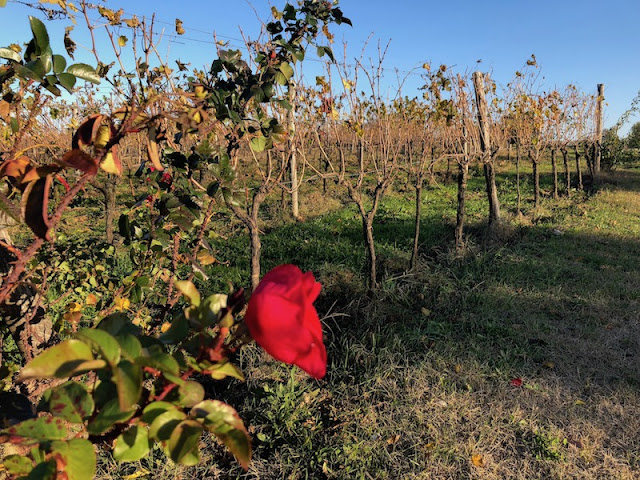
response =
{"points": [[572, 300]]}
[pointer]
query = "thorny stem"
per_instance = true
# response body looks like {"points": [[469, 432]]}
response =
{"points": [[10, 281]]}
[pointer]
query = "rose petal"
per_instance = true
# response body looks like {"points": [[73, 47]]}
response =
{"points": [[282, 319]]}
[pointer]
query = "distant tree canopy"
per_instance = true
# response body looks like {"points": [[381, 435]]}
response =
{"points": [[617, 151], [633, 138]]}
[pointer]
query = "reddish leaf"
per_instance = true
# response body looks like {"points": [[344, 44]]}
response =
{"points": [[516, 382], [35, 201], [80, 160], [37, 173], [87, 132]]}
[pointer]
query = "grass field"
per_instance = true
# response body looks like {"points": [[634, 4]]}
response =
{"points": [[519, 359]]}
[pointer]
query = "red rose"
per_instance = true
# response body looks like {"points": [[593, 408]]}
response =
{"points": [[282, 319]]}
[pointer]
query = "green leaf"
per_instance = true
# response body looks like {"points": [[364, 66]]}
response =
{"points": [[44, 471], [284, 103], [10, 210], [281, 78], [47, 60], [258, 144], [102, 343], [108, 416], [132, 445], [286, 70], [224, 422], [325, 51], [53, 89], [59, 64], [63, 360], [41, 428], [189, 290], [183, 443], [70, 401], [164, 424], [78, 458], [17, 464], [67, 80], [40, 35], [130, 346], [177, 332], [25, 72], [224, 370], [118, 324], [9, 54], [128, 379], [85, 72], [160, 360], [155, 409], [190, 393]]}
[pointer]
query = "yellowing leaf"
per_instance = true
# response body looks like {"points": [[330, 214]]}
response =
{"points": [[102, 137], [393, 439], [74, 307], [478, 460], [137, 474], [132, 22], [205, 258], [111, 162], [152, 148], [122, 40], [122, 303]]}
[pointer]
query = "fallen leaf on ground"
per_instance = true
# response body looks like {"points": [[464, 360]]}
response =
{"points": [[516, 382]]}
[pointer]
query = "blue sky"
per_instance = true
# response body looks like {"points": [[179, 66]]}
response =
{"points": [[583, 42]]}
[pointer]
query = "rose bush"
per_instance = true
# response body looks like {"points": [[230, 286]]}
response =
{"points": [[282, 319]]}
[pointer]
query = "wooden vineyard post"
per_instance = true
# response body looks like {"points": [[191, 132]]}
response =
{"points": [[293, 164], [485, 145], [599, 113]]}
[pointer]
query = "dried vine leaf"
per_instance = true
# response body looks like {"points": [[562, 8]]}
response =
{"points": [[5, 110], [35, 202], [179, 27], [69, 44], [80, 160], [87, 132]]}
